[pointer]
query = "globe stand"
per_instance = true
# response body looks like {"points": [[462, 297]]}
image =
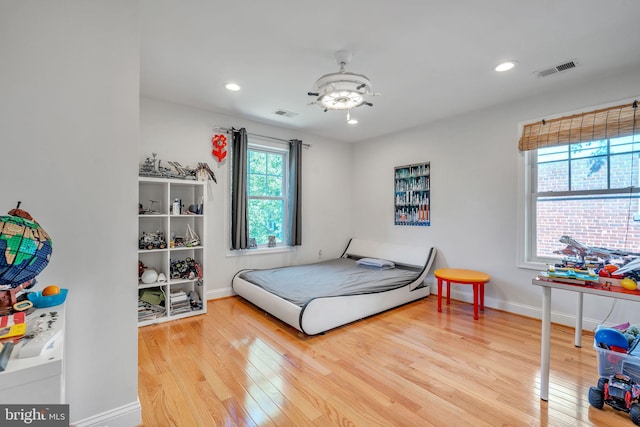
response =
{"points": [[7, 299]]}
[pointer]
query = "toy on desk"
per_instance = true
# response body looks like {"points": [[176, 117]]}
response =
{"points": [[610, 271], [577, 249], [48, 298], [5, 352], [25, 250], [570, 275], [13, 325], [42, 334], [629, 284], [614, 267], [630, 266]]}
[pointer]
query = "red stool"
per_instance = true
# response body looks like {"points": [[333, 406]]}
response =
{"points": [[462, 277]]}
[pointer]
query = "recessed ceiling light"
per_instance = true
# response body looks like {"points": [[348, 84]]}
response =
{"points": [[352, 121], [506, 66], [232, 86]]}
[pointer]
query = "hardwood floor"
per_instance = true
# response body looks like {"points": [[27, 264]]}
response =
{"points": [[411, 366]]}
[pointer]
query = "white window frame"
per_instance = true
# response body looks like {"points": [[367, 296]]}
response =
{"points": [[285, 189], [526, 206]]}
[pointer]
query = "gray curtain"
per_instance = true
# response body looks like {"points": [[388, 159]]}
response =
{"points": [[294, 225], [239, 221]]}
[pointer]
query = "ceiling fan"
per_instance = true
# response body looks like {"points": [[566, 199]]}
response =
{"points": [[342, 90]]}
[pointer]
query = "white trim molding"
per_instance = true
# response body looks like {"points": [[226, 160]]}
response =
{"points": [[124, 416]]}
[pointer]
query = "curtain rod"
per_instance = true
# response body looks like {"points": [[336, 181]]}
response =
{"points": [[227, 130]]}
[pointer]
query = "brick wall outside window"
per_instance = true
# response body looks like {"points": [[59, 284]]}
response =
{"points": [[601, 221]]}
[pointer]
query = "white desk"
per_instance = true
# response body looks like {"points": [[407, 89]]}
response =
{"points": [[596, 289]]}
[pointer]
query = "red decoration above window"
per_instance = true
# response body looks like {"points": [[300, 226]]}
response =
{"points": [[219, 142]]}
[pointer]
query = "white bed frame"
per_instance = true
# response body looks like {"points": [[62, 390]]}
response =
{"points": [[325, 313]]}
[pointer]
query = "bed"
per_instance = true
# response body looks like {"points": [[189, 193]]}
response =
{"points": [[314, 298]]}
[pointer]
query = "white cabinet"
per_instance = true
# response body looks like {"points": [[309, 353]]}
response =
{"points": [[38, 378], [171, 233]]}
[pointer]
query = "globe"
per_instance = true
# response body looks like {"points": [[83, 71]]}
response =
{"points": [[25, 249]]}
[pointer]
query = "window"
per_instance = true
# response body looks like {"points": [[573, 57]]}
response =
{"points": [[266, 194], [588, 190]]}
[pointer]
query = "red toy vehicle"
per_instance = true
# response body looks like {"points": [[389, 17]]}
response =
{"points": [[620, 392]]}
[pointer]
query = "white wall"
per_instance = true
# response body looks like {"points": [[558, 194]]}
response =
{"points": [[183, 134], [474, 198], [69, 85]]}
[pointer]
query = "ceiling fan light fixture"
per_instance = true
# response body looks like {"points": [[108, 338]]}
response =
{"points": [[342, 90]]}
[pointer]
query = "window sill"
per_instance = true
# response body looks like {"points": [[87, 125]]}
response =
{"points": [[528, 265], [260, 251], [539, 264]]}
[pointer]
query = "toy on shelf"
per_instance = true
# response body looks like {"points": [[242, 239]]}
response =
{"points": [[152, 241], [148, 211], [192, 239], [187, 269], [152, 167], [204, 173]]}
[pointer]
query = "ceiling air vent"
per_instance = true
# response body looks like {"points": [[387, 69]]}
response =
{"points": [[557, 69], [285, 113]]}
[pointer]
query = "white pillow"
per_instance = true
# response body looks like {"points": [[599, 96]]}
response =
{"points": [[375, 262]]}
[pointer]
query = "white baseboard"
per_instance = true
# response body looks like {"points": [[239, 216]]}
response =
{"points": [[524, 310], [220, 293], [125, 416]]}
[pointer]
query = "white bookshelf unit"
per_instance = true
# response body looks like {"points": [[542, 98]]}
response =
{"points": [[182, 293]]}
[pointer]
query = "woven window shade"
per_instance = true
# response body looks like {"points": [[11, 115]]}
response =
{"points": [[612, 122]]}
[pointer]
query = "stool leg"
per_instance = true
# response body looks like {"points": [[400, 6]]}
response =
{"points": [[475, 300], [482, 296], [448, 292], [439, 294]]}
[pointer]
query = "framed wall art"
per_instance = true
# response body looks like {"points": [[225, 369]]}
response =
{"points": [[412, 202]]}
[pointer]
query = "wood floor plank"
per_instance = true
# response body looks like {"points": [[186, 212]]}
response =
{"points": [[411, 366]]}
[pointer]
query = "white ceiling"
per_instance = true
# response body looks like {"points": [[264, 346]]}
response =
{"points": [[429, 59]]}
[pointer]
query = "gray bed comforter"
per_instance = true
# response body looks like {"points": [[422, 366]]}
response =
{"points": [[301, 283]]}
